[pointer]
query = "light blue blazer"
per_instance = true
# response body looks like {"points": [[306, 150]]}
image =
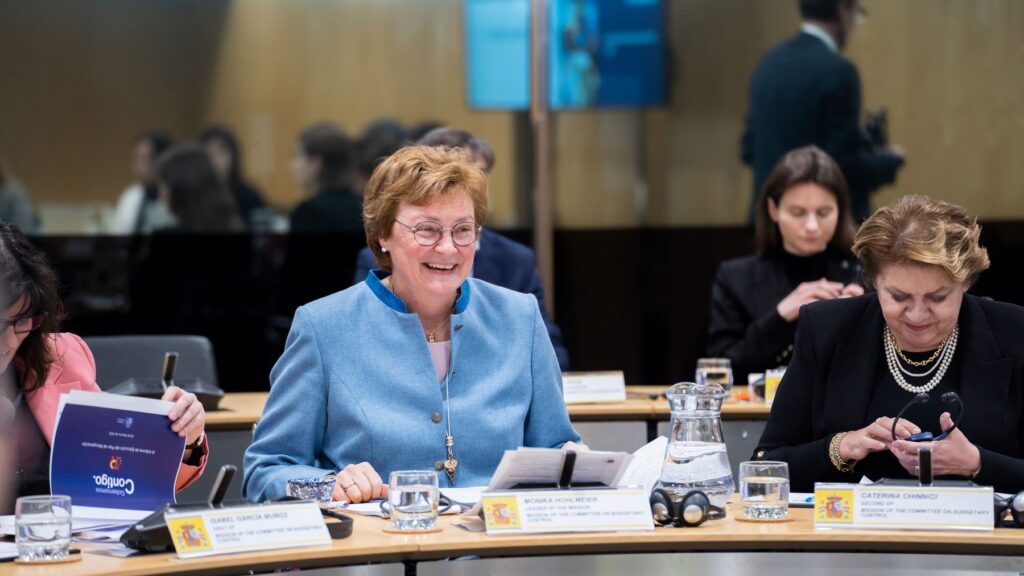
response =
{"points": [[356, 383]]}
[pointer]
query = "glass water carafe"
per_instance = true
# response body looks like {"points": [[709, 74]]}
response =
{"points": [[696, 458]]}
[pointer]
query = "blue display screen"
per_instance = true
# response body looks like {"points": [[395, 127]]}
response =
{"points": [[602, 53], [498, 53]]}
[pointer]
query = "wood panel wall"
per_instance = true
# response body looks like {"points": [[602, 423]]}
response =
{"points": [[284, 65], [80, 78]]}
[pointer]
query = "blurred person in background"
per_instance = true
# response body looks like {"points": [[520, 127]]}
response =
{"points": [[198, 198], [222, 146], [419, 130], [139, 209], [804, 233], [324, 165], [380, 140], [804, 92], [15, 206]]}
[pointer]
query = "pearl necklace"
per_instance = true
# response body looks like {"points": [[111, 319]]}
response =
{"points": [[891, 354]]}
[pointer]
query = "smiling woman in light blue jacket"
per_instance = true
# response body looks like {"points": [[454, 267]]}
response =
{"points": [[418, 367]]}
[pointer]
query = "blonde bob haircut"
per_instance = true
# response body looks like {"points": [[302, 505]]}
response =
{"points": [[920, 230], [418, 176]]}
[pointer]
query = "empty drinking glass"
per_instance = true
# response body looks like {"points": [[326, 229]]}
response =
{"points": [[412, 498], [764, 490], [43, 528]]}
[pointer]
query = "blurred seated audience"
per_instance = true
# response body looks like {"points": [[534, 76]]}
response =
{"points": [[38, 363], [859, 363], [804, 232], [499, 260], [139, 209], [418, 367], [197, 197], [380, 140], [222, 146], [418, 131], [15, 207], [324, 166]]}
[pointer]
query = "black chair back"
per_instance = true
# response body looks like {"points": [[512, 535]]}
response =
{"points": [[120, 358]]}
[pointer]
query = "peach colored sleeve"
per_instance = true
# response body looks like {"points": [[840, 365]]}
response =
{"points": [[187, 474]]}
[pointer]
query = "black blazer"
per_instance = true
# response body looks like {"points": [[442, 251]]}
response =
{"points": [[804, 93], [744, 326], [503, 262], [331, 210], [827, 388]]}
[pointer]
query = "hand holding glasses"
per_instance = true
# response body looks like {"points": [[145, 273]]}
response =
{"points": [[429, 234]]}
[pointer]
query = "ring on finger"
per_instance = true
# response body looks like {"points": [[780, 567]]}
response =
{"points": [[345, 487]]}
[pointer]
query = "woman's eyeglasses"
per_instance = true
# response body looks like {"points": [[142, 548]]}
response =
{"points": [[427, 234], [23, 325]]}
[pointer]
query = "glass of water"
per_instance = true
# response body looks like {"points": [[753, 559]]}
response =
{"points": [[764, 490], [413, 498], [716, 370], [43, 528]]}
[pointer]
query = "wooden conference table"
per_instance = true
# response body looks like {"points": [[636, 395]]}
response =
{"points": [[240, 410], [723, 543], [624, 426]]}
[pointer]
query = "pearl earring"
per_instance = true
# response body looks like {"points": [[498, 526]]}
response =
{"points": [[383, 249]]}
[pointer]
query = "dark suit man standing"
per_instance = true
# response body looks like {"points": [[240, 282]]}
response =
{"points": [[804, 92]]}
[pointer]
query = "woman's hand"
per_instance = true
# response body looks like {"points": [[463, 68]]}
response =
{"points": [[187, 416], [577, 447], [805, 293], [954, 456], [874, 437], [851, 290], [358, 483]]}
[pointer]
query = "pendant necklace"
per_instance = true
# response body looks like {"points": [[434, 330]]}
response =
{"points": [[431, 334], [451, 464]]}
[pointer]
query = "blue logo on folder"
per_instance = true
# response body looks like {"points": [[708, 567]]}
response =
{"points": [[114, 457]]}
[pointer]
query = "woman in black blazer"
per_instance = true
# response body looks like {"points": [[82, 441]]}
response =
{"points": [[804, 232], [858, 362]]}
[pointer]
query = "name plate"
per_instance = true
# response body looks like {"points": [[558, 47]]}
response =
{"points": [[246, 529], [582, 387], [535, 511], [915, 507]]}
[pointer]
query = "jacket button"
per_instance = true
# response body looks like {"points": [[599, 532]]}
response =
{"points": [[438, 465], [435, 417], [760, 453]]}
